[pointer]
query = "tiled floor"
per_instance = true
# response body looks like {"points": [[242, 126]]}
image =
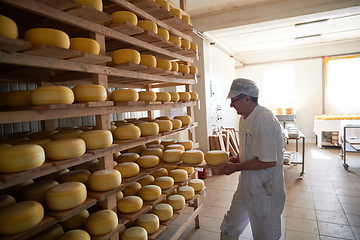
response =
{"points": [[324, 205]]}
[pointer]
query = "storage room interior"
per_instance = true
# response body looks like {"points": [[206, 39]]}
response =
{"points": [[285, 46]]}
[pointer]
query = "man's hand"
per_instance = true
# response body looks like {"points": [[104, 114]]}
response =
{"points": [[228, 167], [234, 159]]}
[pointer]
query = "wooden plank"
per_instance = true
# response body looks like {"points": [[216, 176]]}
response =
{"points": [[65, 215], [13, 45], [233, 140], [89, 13], [134, 178], [98, 152], [108, 235], [91, 58], [125, 28], [148, 36], [133, 216], [99, 104], [59, 4], [130, 66], [101, 196], [158, 233], [45, 50], [156, 201], [221, 141], [66, 163]]}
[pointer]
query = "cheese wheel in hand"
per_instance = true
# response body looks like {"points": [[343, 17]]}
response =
{"points": [[215, 157], [179, 175], [176, 201], [20, 98], [65, 149], [6, 200], [188, 144], [187, 192], [51, 233], [186, 119], [37, 190], [149, 192], [101, 222], [85, 45], [164, 182], [172, 155], [149, 221], [124, 95], [96, 139], [76, 221], [129, 204], [124, 16], [149, 96], [127, 157], [47, 36], [128, 131], [148, 161], [148, 25], [105, 180], [89, 93], [131, 189], [96, 4], [192, 157], [8, 28], [164, 125], [148, 128], [128, 169], [163, 97], [164, 211], [48, 95], [75, 234], [135, 233], [164, 33], [197, 184], [126, 56], [153, 151]]}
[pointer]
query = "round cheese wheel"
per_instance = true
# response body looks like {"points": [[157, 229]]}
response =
{"points": [[124, 95], [8, 28], [164, 211], [175, 40], [65, 134], [148, 128], [104, 180], [164, 33], [137, 149], [85, 45], [172, 155], [21, 157], [215, 157], [66, 196], [184, 68], [128, 169], [186, 119], [192, 157], [147, 96], [187, 192], [176, 201], [193, 70], [101, 222], [179, 175], [149, 221], [146, 180], [148, 25], [174, 66], [186, 19], [194, 95], [97, 4], [176, 123], [185, 44], [119, 195], [65, 149], [126, 56], [164, 4], [197, 184], [125, 132], [176, 146], [76, 221], [37, 190], [127, 157], [47, 36], [176, 12], [129, 204], [156, 146], [75, 234], [188, 144], [164, 125], [166, 142], [42, 135], [149, 192], [148, 60], [162, 118], [20, 98], [148, 161], [135, 233], [131, 189], [89, 93], [194, 47], [160, 173], [51, 233], [41, 142], [174, 96], [153, 151], [96, 139], [47, 95], [164, 64], [189, 170], [124, 16], [164, 182], [6, 200]]}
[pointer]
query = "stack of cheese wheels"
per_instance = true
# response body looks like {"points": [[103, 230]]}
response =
{"points": [[194, 47], [174, 66], [76, 221], [6, 200], [124, 95], [9, 28], [176, 146], [194, 95], [192, 157], [66, 196], [138, 233], [20, 98], [163, 97], [186, 119], [164, 33], [193, 70], [128, 131], [19, 217], [185, 44], [75, 234], [21, 157], [36, 191], [149, 221], [131, 189], [96, 4], [149, 192], [164, 125], [187, 192], [128, 169], [184, 96], [153, 151], [148, 128], [146, 180], [65, 134], [174, 96], [177, 123], [85, 45], [148, 60], [179, 175], [175, 40], [47, 36], [148, 25], [215, 157], [65, 149], [176, 201], [149, 96], [164, 211], [127, 157], [47, 95], [164, 64], [129, 204], [197, 184], [160, 173], [148, 161], [172, 155], [184, 68], [124, 16], [105, 180], [164, 182], [89, 93], [126, 56], [96, 139], [188, 144], [101, 222], [52, 232], [167, 142], [137, 149]]}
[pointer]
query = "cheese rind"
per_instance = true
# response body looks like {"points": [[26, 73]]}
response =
{"points": [[124, 16], [148, 25], [185, 119], [124, 95], [21, 98], [148, 161], [164, 33], [48, 95], [9, 28], [164, 125], [176, 201], [131, 189], [148, 128], [126, 56], [75, 234], [187, 192], [37, 190], [188, 144], [164, 182], [160, 173], [127, 157], [89, 93], [97, 4], [49, 36], [105, 180], [153, 151], [172, 155], [179, 175], [149, 221], [135, 233], [215, 157], [128, 169], [130, 204], [149, 96], [175, 40], [146, 180], [101, 222], [6, 200], [184, 96], [163, 210], [85, 45], [177, 123], [96, 139], [149, 192], [197, 184], [65, 149], [126, 132], [164, 64], [192, 157]]}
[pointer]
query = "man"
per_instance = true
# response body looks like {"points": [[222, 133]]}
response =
{"points": [[260, 196]]}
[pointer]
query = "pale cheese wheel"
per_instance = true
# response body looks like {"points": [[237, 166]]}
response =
{"points": [[21, 157], [175, 146], [192, 157], [147, 96], [197, 184], [65, 134], [124, 16], [129, 204], [66, 196], [131, 189], [189, 170], [188, 144], [126, 56], [124, 95], [148, 25], [175, 40], [153, 151], [149, 221], [75, 234], [21, 98], [148, 128], [89, 93], [164, 182], [179, 175], [20, 216], [193, 70], [127, 157], [6, 200], [162, 118], [128, 169], [176, 201], [76, 221], [48, 95], [174, 66], [172, 155], [37, 190], [177, 12], [215, 157], [164, 33], [185, 44], [149, 192], [187, 192], [96, 139], [166, 142], [164, 125], [186, 119], [194, 95], [164, 211], [65, 149], [104, 180], [137, 149], [47, 36], [177, 123], [85, 45], [146, 180], [101, 222], [164, 64], [135, 233], [96, 4], [41, 142], [8, 28], [174, 96], [163, 97], [148, 161], [159, 173], [184, 68], [51, 233], [194, 47], [126, 132]]}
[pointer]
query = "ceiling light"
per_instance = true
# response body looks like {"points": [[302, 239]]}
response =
{"points": [[312, 23], [308, 36]]}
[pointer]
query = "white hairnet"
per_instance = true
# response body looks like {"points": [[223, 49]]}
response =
{"points": [[244, 86]]}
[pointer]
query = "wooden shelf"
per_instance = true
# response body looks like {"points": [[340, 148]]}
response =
{"points": [[108, 235], [13, 45], [133, 216]]}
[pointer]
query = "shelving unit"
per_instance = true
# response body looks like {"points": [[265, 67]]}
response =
{"points": [[349, 144], [48, 65], [296, 157]]}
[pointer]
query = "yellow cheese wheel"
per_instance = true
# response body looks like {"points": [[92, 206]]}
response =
{"points": [[149, 221], [131, 189], [52, 95], [89, 93], [176, 146], [164, 33], [176, 201], [176, 12], [172, 155], [20, 216], [174, 66], [184, 68], [169, 168], [187, 192], [124, 16], [164, 211], [148, 128], [104, 180], [101, 222], [37, 190], [186, 19], [21, 157], [75, 234], [164, 125], [147, 96], [192, 157], [156, 146], [160, 173], [193, 70], [66, 196], [186, 119], [65, 134], [215, 157], [6, 200], [129, 204], [51, 233], [148, 25], [148, 60], [76, 221], [153, 151], [20, 98], [135, 233], [174, 96], [167, 142], [146, 180], [185, 44], [184, 96], [148, 161], [189, 170], [164, 4], [137, 149], [96, 139], [127, 157], [164, 182], [146, 119], [179, 175], [194, 95], [188, 144], [194, 47], [125, 132], [162, 118], [65, 148], [124, 95], [97, 4], [197, 184], [8, 28], [128, 169], [126, 56], [119, 195], [149, 192], [47, 36], [164, 64], [85, 45], [41, 142], [42, 135], [175, 40]]}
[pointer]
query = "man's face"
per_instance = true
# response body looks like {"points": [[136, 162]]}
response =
{"points": [[238, 103]]}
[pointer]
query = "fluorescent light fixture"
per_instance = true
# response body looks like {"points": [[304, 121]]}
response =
{"points": [[204, 37], [312, 23], [307, 37]]}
